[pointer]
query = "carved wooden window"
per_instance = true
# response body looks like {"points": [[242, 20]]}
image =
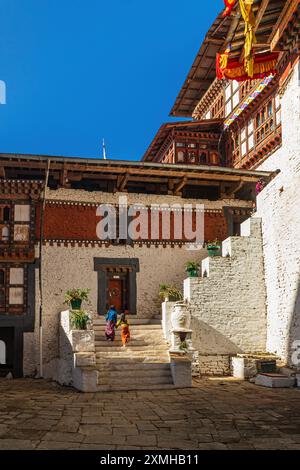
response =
{"points": [[6, 214], [278, 110], [192, 157], [13, 281], [15, 223], [217, 108], [214, 158], [267, 119], [250, 131], [2, 288], [5, 219], [180, 156], [22, 223], [203, 158], [232, 97]]}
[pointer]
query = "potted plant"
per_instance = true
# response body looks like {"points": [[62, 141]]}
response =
{"points": [[183, 346], [75, 297], [214, 248], [192, 268], [169, 293], [79, 319]]}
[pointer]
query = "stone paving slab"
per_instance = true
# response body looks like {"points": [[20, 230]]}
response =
{"points": [[213, 415]]}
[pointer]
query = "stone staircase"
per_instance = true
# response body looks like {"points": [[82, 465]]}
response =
{"points": [[228, 301], [143, 364]]}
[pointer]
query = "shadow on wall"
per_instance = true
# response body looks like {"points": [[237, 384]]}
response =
{"points": [[208, 340], [293, 340]]}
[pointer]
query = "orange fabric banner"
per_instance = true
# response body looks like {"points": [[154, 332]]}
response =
{"points": [[250, 39], [263, 65]]}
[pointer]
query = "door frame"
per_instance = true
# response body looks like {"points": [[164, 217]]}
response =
{"points": [[102, 265]]}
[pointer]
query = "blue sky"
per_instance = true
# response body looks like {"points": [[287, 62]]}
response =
{"points": [[80, 70]]}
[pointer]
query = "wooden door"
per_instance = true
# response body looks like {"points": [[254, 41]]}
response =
{"points": [[115, 293]]}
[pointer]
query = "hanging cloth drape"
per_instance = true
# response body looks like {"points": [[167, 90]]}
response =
{"points": [[221, 63], [264, 65], [250, 39]]}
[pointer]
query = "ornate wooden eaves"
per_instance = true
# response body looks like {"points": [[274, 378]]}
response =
{"points": [[286, 32], [113, 176]]}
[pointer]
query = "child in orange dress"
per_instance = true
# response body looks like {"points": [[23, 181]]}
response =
{"points": [[125, 333]]}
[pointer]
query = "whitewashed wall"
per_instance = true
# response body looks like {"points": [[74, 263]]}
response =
{"points": [[278, 206], [228, 307]]}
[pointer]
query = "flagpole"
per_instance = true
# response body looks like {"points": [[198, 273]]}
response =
{"points": [[104, 150]]}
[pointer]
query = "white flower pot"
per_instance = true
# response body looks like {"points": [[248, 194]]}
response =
{"points": [[180, 317]]}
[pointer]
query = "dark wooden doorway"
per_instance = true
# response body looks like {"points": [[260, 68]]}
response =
{"points": [[117, 284], [115, 293]]}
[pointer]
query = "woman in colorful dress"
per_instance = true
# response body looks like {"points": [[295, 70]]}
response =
{"points": [[125, 333], [111, 322]]}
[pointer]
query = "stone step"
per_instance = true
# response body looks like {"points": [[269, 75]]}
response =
{"points": [[132, 321], [132, 387], [108, 346], [214, 266], [137, 376], [143, 365], [130, 362], [134, 381], [101, 327], [100, 330], [102, 341], [132, 366], [152, 356]]}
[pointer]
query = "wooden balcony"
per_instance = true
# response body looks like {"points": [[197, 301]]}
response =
{"points": [[267, 138]]}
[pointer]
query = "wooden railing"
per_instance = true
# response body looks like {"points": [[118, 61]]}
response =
{"points": [[266, 138]]}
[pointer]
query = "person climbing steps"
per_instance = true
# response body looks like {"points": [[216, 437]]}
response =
{"points": [[125, 332]]}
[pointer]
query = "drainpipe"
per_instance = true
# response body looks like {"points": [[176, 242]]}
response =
{"points": [[41, 373]]}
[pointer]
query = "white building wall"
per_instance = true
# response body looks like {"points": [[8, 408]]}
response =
{"points": [[278, 206]]}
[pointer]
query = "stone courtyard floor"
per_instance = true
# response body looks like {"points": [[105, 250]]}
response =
{"points": [[214, 414]]}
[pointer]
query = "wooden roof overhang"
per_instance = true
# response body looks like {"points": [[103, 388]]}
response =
{"points": [[286, 32], [164, 137], [268, 14], [273, 18], [203, 70], [115, 176], [208, 98]]}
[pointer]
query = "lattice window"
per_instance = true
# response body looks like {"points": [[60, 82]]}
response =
{"points": [[232, 97], [267, 119], [13, 292], [15, 223]]}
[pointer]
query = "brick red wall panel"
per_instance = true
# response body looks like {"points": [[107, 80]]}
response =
{"points": [[69, 222]]}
